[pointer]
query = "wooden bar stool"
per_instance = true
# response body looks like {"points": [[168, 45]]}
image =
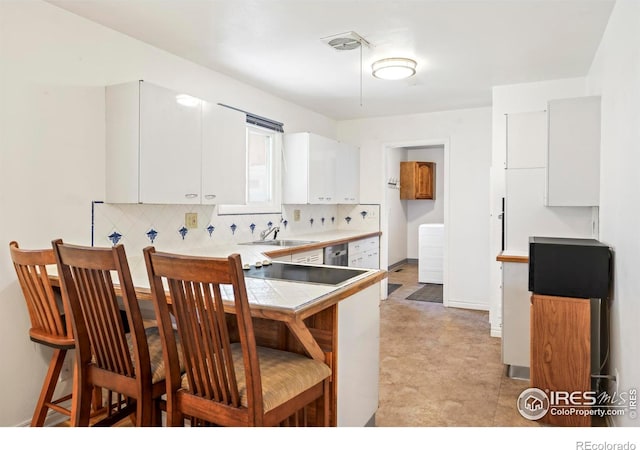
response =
{"points": [[227, 381], [107, 356], [49, 326]]}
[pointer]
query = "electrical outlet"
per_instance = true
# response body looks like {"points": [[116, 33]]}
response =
{"points": [[191, 220], [296, 215]]}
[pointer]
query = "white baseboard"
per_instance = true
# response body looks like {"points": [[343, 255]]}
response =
{"points": [[465, 305]]}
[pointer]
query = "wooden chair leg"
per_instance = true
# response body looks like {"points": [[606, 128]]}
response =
{"points": [[81, 403], [48, 388], [325, 403]]}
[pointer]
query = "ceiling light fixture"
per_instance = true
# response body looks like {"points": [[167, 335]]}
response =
{"points": [[394, 68]]}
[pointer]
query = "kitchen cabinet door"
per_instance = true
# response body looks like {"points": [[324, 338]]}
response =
{"points": [[365, 253], [153, 145], [308, 257], [573, 160], [515, 315], [347, 174], [417, 180], [170, 147], [224, 155], [309, 169], [322, 169]]}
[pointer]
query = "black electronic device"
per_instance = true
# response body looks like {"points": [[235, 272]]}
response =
{"points": [[569, 267]]}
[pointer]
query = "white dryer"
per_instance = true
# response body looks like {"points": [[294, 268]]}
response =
{"points": [[430, 253]]}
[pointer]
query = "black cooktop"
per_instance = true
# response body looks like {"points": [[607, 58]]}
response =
{"points": [[307, 274]]}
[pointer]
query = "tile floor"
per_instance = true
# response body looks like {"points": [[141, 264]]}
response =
{"points": [[439, 366]]}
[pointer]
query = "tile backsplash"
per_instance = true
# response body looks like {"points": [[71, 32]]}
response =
{"points": [[140, 225]]}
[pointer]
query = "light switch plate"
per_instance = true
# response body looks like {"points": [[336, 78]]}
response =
{"points": [[191, 220]]}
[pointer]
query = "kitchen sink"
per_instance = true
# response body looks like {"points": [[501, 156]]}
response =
{"points": [[279, 242]]}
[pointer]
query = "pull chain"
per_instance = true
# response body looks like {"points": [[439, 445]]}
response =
{"points": [[360, 74]]}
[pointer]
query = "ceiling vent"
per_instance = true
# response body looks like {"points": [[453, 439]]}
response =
{"points": [[345, 41]]}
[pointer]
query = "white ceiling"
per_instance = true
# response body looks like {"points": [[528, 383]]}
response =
{"points": [[463, 48]]}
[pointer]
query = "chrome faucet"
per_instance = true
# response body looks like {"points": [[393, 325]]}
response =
{"points": [[268, 231]]}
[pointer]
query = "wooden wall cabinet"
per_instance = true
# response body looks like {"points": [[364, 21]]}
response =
{"points": [[417, 180]]}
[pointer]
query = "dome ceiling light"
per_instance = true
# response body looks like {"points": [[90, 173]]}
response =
{"points": [[394, 68]]}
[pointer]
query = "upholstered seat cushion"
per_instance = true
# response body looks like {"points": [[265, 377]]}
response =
{"points": [[284, 375], [155, 353]]}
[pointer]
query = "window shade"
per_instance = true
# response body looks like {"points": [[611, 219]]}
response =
{"points": [[259, 121]]}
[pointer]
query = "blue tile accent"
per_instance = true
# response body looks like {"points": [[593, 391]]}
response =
{"points": [[333, 219], [348, 219], [322, 220], [363, 214], [152, 234], [269, 224], [311, 221], [114, 237], [210, 229], [285, 222], [253, 227], [233, 228], [183, 232]]}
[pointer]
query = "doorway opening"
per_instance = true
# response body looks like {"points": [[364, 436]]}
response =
{"points": [[405, 238]]}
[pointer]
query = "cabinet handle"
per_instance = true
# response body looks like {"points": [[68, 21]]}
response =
{"points": [[190, 195], [210, 196]]}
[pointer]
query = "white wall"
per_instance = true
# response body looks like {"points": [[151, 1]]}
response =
{"points": [[614, 75], [396, 209], [54, 67], [466, 136], [425, 211], [511, 99]]}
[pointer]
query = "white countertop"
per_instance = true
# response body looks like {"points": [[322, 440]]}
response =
{"points": [[277, 294]]}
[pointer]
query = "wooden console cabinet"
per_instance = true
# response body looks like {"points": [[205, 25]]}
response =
{"points": [[417, 180], [561, 350]]}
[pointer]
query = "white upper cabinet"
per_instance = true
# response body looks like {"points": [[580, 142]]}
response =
{"points": [[312, 168], [526, 140], [347, 174], [224, 155], [573, 160], [169, 148]]}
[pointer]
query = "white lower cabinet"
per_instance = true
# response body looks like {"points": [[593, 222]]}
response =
{"points": [[515, 314], [358, 357], [365, 253], [308, 257]]}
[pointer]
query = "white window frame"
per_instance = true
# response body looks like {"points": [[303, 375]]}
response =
{"points": [[275, 206]]}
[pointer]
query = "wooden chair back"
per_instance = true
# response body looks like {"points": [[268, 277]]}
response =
{"points": [[49, 325], [102, 345], [196, 304]]}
